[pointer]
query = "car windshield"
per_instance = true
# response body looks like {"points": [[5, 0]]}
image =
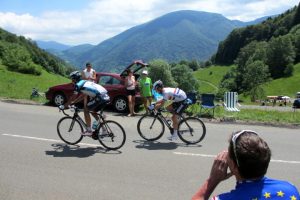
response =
{"points": [[108, 80]]}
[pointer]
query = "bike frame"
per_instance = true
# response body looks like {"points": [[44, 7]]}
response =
{"points": [[158, 114], [76, 116]]}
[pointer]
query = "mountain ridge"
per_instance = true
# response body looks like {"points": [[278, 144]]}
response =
{"points": [[179, 35]]}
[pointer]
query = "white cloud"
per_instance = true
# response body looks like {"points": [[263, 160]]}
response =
{"points": [[102, 19]]}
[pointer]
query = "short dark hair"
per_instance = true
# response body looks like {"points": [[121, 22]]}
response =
{"points": [[253, 155], [88, 64]]}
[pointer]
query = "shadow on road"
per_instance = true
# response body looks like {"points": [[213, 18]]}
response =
{"points": [[64, 150], [155, 145]]}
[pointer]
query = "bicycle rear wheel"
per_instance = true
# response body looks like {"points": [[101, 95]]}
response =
{"points": [[150, 127], [69, 130], [191, 130], [111, 135]]}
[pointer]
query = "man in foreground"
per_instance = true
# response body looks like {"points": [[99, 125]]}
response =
{"points": [[248, 158]]}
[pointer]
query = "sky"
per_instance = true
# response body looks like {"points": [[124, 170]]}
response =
{"points": [[75, 22]]}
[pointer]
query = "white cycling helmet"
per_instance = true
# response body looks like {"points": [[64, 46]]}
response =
{"points": [[158, 84], [76, 75]]}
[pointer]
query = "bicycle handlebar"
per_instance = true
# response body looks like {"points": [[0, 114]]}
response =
{"points": [[75, 109], [72, 109]]}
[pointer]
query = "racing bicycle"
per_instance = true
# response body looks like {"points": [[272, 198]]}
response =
{"points": [[108, 132], [151, 127]]}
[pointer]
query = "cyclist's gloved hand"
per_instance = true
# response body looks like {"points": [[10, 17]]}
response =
{"points": [[151, 107], [61, 107]]}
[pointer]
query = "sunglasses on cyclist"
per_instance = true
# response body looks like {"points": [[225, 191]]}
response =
{"points": [[235, 137]]}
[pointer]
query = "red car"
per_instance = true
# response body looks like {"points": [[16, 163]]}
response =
{"points": [[113, 83]]}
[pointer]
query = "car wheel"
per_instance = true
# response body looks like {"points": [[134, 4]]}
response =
{"points": [[120, 104], [59, 99]]}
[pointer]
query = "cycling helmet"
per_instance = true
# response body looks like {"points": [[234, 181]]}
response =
{"points": [[76, 75], [158, 84]]}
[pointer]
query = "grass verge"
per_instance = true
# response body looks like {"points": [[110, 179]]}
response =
{"points": [[271, 117], [19, 86]]}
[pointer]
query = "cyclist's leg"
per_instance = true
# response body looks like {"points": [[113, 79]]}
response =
{"points": [[100, 105], [175, 121], [95, 115], [87, 116], [171, 108]]}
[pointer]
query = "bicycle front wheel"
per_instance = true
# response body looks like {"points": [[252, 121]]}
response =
{"points": [[112, 135], [191, 130], [150, 127], [69, 130]]}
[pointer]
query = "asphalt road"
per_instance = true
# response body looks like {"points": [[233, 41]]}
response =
{"points": [[35, 164]]}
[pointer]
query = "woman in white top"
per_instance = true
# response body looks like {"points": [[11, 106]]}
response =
{"points": [[89, 73], [130, 84]]}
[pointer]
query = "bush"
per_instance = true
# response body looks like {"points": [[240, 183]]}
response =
{"points": [[17, 59]]}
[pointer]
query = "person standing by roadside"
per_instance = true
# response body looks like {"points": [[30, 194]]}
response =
{"points": [[248, 157], [145, 85], [130, 84], [89, 73]]}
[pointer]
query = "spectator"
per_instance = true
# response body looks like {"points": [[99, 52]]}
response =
{"points": [[89, 73], [248, 158], [145, 85], [130, 84]]}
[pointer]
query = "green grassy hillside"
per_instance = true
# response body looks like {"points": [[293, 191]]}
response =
{"points": [[19, 86], [210, 78], [285, 86]]}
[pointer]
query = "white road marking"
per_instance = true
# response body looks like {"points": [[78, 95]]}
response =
{"points": [[195, 154], [213, 156], [176, 153], [48, 140]]}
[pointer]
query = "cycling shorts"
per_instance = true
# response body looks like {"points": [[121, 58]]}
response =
{"points": [[98, 102], [180, 106]]}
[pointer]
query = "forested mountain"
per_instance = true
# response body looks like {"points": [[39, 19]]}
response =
{"points": [[261, 53], [52, 45], [22, 55], [181, 35], [273, 27], [70, 55]]}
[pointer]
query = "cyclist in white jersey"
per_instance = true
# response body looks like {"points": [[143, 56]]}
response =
{"points": [[178, 97], [94, 98]]}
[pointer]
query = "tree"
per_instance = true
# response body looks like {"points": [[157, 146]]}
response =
{"points": [[296, 19], [257, 73], [280, 53], [161, 70], [295, 35], [183, 75], [254, 51], [17, 58], [194, 65]]}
